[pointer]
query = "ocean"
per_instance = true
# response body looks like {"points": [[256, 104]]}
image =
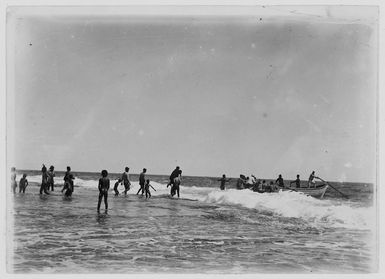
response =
{"points": [[206, 230]]}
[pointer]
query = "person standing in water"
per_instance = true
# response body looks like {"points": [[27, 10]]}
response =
{"points": [[51, 175], [44, 180], [126, 181], [68, 182], [104, 185], [176, 184], [241, 182], [23, 183], [66, 178], [297, 182], [223, 181], [13, 180], [174, 174], [142, 181], [147, 188], [279, 181]]}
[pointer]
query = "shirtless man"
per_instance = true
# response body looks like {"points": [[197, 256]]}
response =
{"points": [[311, 181], [142, 181], [223, 181], [173, 175], [23, 183], [104, 186], [279, 181], [44, 181], [297, 182], [176, 184], [51, 175], [241, 182], [68, 182], [126, 181]]}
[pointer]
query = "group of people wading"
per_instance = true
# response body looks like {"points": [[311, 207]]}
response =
{"points": [[47, 183], [144, 185]]}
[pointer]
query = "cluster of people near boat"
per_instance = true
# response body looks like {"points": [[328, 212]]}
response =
{"points": [[47, 183], [261, 186]]}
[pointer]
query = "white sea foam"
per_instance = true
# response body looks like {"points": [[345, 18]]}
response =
{"points": [[286, 204], [291, 205], [298, 205]]}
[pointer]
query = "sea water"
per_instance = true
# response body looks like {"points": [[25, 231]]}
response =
{"points": [[206, 230]]}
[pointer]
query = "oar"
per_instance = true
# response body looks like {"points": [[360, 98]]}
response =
{"points": [[345, 196]]}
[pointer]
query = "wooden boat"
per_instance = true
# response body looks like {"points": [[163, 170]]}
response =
{"points": [[316, 192]]}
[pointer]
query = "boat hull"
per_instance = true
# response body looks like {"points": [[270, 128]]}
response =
{"points": [[317, 192]]}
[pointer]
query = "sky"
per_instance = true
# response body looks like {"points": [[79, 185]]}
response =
{"points": [[261, 94]]}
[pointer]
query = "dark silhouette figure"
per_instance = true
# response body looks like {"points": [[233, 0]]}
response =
{"points": [[51, 175], [241, 182], [175, 173], [23, 183], [311, 182], [176, 184], [147, 188], [44, 181], [223, 181], [142, 181], [297, 182], [68, 183], [126, 181], [116, 186], [104, 185], [279, 181]]}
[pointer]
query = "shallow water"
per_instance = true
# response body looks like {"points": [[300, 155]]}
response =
{"points": [[207, 231]]}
